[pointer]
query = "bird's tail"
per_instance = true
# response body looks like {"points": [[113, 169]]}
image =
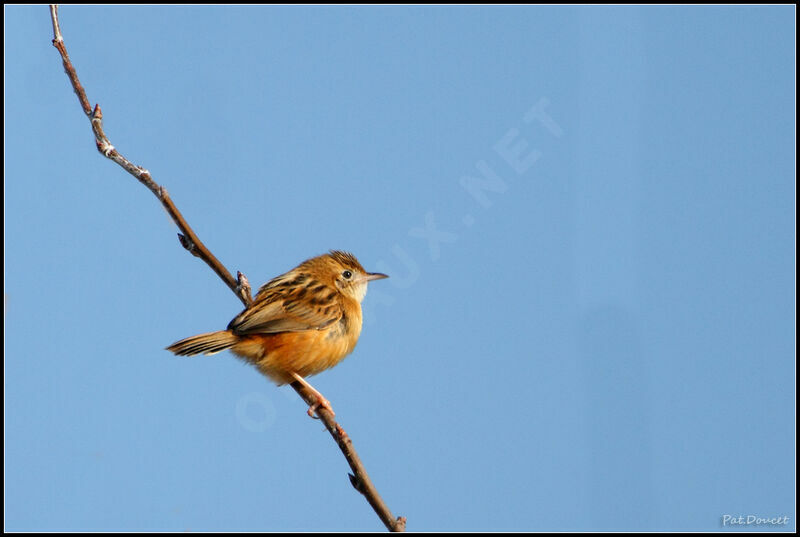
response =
{"points": [[210, 343]]}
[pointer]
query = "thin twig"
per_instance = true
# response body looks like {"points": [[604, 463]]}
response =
{"points": [[359, 478], [240, 285], [188, 238]]}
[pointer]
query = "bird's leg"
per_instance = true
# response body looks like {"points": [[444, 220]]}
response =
{"points": [[321, 401]]}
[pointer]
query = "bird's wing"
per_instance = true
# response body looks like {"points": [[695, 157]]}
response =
{"points": [[283, 307]]}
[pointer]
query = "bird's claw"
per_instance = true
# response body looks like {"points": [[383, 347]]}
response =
{"points": [[321, 403]]}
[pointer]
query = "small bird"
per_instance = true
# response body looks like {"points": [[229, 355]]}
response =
{"points": [[299, 324]]}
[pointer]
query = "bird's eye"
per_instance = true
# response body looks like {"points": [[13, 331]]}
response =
{"points": [[347, 274]]}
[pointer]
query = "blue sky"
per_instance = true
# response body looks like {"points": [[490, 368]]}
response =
{"points": [[588, 218]]}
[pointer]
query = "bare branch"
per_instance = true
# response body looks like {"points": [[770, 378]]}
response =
{"points": [[359, 478], [56, 30], [188, 239], [240, 285]]}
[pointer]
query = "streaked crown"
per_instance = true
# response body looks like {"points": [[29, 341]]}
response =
{"points": [[341, 270]]}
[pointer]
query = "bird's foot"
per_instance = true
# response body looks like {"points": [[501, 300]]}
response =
{"points": [[320, 401]]}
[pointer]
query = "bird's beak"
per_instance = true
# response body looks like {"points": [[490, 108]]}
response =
{"points": [[375, 276]]}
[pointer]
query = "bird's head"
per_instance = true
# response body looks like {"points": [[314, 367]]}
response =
{"points": [[343, 271]]}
